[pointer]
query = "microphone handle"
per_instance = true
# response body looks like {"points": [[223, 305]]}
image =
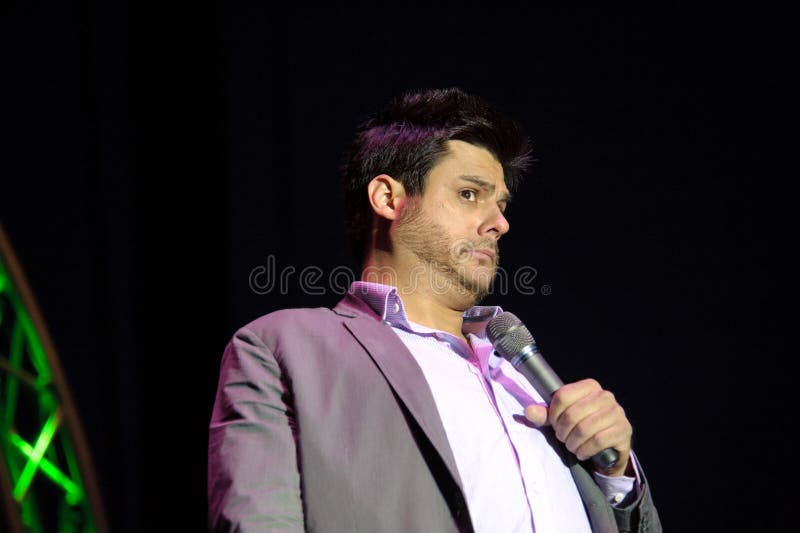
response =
{"points": [[532, 365]]}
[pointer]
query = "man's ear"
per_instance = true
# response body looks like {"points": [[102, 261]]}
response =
{"points": [[386, 196]]}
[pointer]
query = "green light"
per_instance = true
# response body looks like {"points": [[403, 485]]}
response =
{"points": [[27, 380], [12, 384], [73, 491], [35, 457], [36, 351]]}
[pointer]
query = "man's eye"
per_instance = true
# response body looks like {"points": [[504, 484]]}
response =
{"points": [[468, 194]]}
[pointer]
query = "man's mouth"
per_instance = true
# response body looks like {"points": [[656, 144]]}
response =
{"points": [[484, 253]]}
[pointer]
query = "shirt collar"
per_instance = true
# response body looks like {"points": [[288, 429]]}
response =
{"points": [[385, 301]]}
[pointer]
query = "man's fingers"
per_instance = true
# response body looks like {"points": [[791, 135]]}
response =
{"points": [[568, 419], [537, 414], [617, 437], [598, 431], [571, 393], [588, 419]]}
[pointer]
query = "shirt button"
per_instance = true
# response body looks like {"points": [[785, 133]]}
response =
{"points": [[396, 307], [618, 497]]}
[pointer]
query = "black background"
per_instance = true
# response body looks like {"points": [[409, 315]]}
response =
{"points": [[153, 156]]}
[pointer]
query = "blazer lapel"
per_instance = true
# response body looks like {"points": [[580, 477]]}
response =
{"points": [[406, 378], [599, 511]]}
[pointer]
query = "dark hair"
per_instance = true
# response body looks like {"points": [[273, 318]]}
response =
{"points": [[408, 137]]}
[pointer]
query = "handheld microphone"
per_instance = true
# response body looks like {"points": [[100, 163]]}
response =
{"points": [[512, 340]]}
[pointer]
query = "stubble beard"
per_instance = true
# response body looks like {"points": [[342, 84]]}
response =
{"points": [[448, 260]]}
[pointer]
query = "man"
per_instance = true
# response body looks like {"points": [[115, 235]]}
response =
{"points": [[391, 412]]}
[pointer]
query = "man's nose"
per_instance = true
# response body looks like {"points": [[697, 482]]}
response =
{"points": [[496, 223]]}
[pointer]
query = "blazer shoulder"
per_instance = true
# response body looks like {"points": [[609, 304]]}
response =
{"points": [[302, 329], [306, 320], [289, 321]]}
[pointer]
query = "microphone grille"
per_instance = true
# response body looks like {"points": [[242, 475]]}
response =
{"points": [[508, 335]]}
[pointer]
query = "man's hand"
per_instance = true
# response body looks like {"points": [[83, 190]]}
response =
{"points": [[587, 419]]}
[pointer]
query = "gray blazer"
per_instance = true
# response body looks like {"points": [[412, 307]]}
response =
{"points": [[324, 422]]}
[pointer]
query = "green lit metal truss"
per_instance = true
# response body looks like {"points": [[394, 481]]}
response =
{"points": [[46, 475]]}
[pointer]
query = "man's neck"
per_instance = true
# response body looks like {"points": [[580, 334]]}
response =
{"points": [[417, 284], [431, 314]]}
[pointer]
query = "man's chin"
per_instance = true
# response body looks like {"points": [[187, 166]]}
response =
{"points": [[479, 278], [479, 296], [477, 287]]}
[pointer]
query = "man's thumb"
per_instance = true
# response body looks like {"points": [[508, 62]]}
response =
{"points": [[536, 414]]}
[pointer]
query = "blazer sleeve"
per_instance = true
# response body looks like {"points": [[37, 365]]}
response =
{"points": [[253, 470], [640, 516]]}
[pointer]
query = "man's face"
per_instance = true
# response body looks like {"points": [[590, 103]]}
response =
{"points": [[454, 226]]}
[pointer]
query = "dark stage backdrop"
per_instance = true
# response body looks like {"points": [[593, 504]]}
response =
{"points": [[154, 156]]}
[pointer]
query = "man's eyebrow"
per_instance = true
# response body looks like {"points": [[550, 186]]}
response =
{"points": [[486, 185]]}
